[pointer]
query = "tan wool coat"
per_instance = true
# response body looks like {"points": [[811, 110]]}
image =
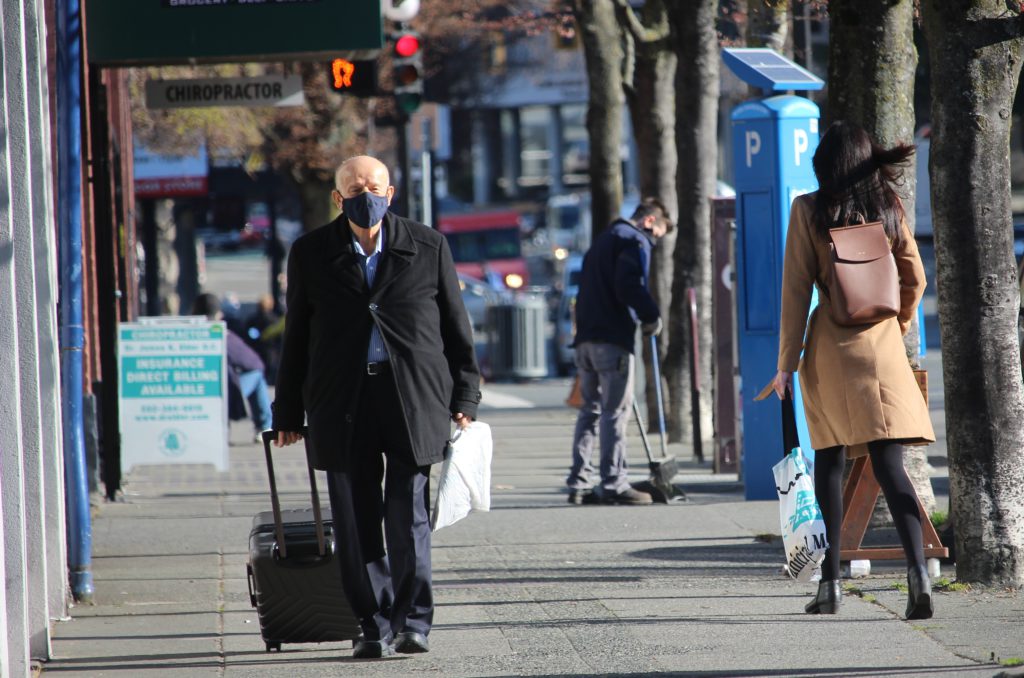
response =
{"points": [[857, 383]]}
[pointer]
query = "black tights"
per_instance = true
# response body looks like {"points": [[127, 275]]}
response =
{"points": [[887, 462]]}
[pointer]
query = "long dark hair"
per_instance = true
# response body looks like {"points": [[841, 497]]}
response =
{"points": [[856, 176]]}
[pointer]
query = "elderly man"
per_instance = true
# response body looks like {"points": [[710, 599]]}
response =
{"points": [[377, 358]]}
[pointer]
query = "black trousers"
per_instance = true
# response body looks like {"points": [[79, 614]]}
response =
{"points": [[389, 588], [887, 463]]}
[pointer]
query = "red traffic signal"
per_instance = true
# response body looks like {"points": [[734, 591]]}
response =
{"points": [[407, 45], [407, 71]]}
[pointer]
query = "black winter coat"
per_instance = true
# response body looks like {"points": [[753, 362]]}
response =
{"points": [[417, 305]]}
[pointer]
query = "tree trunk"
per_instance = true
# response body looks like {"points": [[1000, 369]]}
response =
{"points": [[652, 110], [603, 53], [316, 201], [693, 23], [976, 47], [768, 25], [872, 53]]}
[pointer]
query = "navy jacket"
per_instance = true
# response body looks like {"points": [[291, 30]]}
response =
{"points": [[416, 304], [613, 287]]}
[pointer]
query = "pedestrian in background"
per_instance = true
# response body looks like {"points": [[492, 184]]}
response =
{"points": [[858, 386], [267, 345], [613, 296], [246, 380], [378, 358]]}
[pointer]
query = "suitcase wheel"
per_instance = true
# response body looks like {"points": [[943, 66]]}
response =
{"points": [[248, 576], [273, 646]]}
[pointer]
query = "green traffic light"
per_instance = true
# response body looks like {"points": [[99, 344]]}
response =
{"points": [[408, 102]]}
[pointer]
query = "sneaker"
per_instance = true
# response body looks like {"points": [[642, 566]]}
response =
{"points": [[581, 497], [628, 496]]}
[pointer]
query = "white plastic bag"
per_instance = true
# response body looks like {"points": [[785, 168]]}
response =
{"points": [[803, 529], [465, 482]]}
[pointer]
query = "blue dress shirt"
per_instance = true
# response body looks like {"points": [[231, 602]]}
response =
{"points": [[376, 352]]}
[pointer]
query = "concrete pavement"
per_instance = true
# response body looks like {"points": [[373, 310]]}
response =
{"points": [[535, 587]]}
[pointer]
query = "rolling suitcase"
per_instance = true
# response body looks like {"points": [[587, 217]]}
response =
{"points": [[293, 574]]}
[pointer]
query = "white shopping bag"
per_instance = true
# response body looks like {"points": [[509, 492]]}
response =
{"points": [[803, 530], [465, 483]]}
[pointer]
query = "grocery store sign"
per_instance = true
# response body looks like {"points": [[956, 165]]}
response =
{"points": [[162, 176], [172, 377], [267, 90]]}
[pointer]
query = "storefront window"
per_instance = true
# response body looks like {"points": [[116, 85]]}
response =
{"points": [[535, 154]]}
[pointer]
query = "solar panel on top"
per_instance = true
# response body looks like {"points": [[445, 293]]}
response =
{"points": [[787, 73], [769, 70], [755, 56]]}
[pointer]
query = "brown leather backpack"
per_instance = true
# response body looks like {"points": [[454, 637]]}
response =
{"points": [[863, 285]]}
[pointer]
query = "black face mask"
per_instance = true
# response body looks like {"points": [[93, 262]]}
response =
{"points": [[366, 209]]}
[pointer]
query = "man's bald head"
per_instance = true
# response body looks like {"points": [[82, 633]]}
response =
{"points": [[360, 173]]}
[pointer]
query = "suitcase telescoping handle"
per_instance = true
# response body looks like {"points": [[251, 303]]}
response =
{"points": [[275, 503]]}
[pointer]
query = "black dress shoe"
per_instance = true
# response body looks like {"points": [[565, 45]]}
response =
{"points": [[582, 497], [371, 649], [411, 642], [827, 600], [919, 601]]}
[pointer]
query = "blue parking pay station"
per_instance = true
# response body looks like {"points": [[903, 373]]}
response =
{"points": [[774, 140]]}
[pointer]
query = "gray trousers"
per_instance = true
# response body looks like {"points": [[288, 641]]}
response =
{"points": [[606, 384]]}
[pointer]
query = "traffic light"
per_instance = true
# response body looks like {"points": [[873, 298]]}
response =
{"points": [[407, 57], [357, 78]]}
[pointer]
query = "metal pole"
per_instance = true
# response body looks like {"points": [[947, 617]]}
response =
{"points": [[401, 202], [276, 251], [72, 334], [698, 438], [149, 250], [655, 363], [426, 176]]}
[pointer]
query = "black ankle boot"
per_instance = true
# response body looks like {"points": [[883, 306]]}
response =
{"points": [[919, 602], [827, 600]]}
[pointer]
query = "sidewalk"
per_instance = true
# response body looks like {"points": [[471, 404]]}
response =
{"points": [[535, 587]]}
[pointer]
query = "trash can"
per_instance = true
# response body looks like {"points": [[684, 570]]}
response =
{"points": [[517, 342]]}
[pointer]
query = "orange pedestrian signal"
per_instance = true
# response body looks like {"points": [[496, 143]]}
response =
{"points": [[358, 78], [342, 70]]}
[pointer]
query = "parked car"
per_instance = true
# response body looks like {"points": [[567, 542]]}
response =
{"points": [[477, 297], [219, 240], [257, 226]]}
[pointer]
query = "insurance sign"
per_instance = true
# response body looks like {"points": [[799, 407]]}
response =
{"points": [[172, 375]]}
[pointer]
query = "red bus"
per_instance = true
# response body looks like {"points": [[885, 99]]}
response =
{"points": [[486, 245]]}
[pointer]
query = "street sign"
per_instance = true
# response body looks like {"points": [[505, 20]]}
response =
{"points": [[147, 32], [266, 90], [172, 396]]}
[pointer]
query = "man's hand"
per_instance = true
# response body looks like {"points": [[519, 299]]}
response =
{"points": [[461, 420], [287, 438], [651, 329]]}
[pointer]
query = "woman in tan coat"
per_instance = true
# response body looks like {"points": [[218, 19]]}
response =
{"points": [[859, 391]]}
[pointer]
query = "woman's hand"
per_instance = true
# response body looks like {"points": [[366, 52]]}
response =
{"points": [[782, 383]]}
